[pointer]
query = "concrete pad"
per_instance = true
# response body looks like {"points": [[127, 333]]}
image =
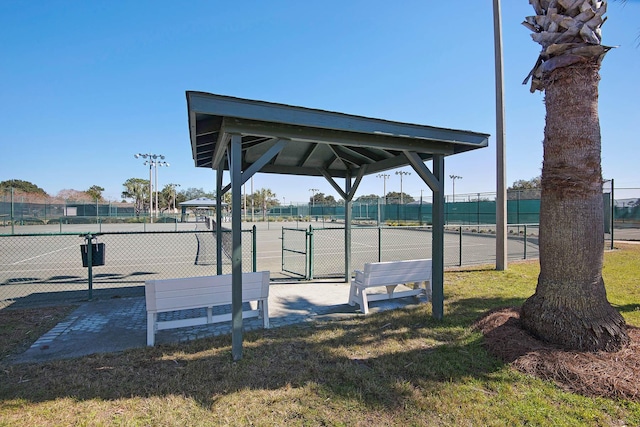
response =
{"points": [[114, 325]]}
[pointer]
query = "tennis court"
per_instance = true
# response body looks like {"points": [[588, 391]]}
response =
{"points": [[44, 266]]}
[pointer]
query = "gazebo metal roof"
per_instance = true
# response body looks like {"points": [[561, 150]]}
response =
{"points": [[310, 141]]}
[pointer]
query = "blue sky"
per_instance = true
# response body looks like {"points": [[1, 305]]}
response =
{"points": [[87, 84]]}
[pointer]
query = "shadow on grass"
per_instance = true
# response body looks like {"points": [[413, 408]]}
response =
{"points": [[376, 360], [627, 308]]}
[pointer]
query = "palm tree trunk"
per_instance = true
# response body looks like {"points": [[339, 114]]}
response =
{"points": [[570, 306]]}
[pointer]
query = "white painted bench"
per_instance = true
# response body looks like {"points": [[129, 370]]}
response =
{"points": [[411, 273], [203, 292]]}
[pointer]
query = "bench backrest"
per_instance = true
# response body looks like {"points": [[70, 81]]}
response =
{"points": [[384, 273], [204, 291]]}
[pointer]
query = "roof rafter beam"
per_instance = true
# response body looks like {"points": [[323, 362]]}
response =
{"points": [[349, 155], [220, 148], [370, 154], [209, 125], [308, 154]]}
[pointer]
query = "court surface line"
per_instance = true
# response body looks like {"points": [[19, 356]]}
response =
{"points": [[45, 254]]}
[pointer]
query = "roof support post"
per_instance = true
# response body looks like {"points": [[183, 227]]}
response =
{"points": [[435, 181], [219, 172], [437, 255], [347, 227], [235, 166]]}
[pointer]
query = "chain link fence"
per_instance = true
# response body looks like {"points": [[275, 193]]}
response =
{"points": [[463, 245], [41, 268]]}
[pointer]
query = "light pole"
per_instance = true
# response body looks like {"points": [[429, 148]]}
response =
{"points": [[153, 160], [313, 196], [501, 157], [156, 164], [402, 173], [175, 194], [453, 180], [384, 177]]}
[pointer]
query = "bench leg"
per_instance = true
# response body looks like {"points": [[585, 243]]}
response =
{"points": [[353, 294], [390, 290], [263, 307], [364, 302], [151, 328]]}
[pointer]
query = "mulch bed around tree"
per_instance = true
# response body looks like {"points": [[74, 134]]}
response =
{"points": [[613, 375]]}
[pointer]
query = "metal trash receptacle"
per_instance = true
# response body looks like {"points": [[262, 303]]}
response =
{"points": [[97, 254]]}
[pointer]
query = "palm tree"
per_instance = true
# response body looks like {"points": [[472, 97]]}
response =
{"points": [[264, 198], [570, 305], [136, 188]]}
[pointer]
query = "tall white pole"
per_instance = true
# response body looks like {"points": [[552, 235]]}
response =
{"points": [[453, 182], [155, 167], [501, 189], [150, 192]]}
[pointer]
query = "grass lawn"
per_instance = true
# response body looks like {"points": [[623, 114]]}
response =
{"points": [[398, 367]]}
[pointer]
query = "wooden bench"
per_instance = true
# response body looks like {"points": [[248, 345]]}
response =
{"points": [[203, 292], [411, 273]]}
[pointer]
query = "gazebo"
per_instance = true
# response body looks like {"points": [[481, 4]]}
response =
{"points": [[247, 136], [199, 204]]}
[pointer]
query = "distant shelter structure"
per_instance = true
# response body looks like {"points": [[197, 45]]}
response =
{"points": [[201, 207]]}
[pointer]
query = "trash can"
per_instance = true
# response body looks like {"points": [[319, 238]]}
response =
{"points": [[97, 254]]}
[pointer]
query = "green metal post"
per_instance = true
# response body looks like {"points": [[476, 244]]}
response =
{"points": [[438, 238], [348, 203], [525, 241], [219, 172], [254, 247], [310, 252], [89, 239], [235, 169], [613, 212], [12, 213], [379, 244], [460, 247]]}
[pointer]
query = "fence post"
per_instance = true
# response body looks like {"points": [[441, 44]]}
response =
{"points": [[525, 241], [460, 246], [254, 255], [12, 213], [310, 252], [613, 213], [89, 239], [379, 244]]}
